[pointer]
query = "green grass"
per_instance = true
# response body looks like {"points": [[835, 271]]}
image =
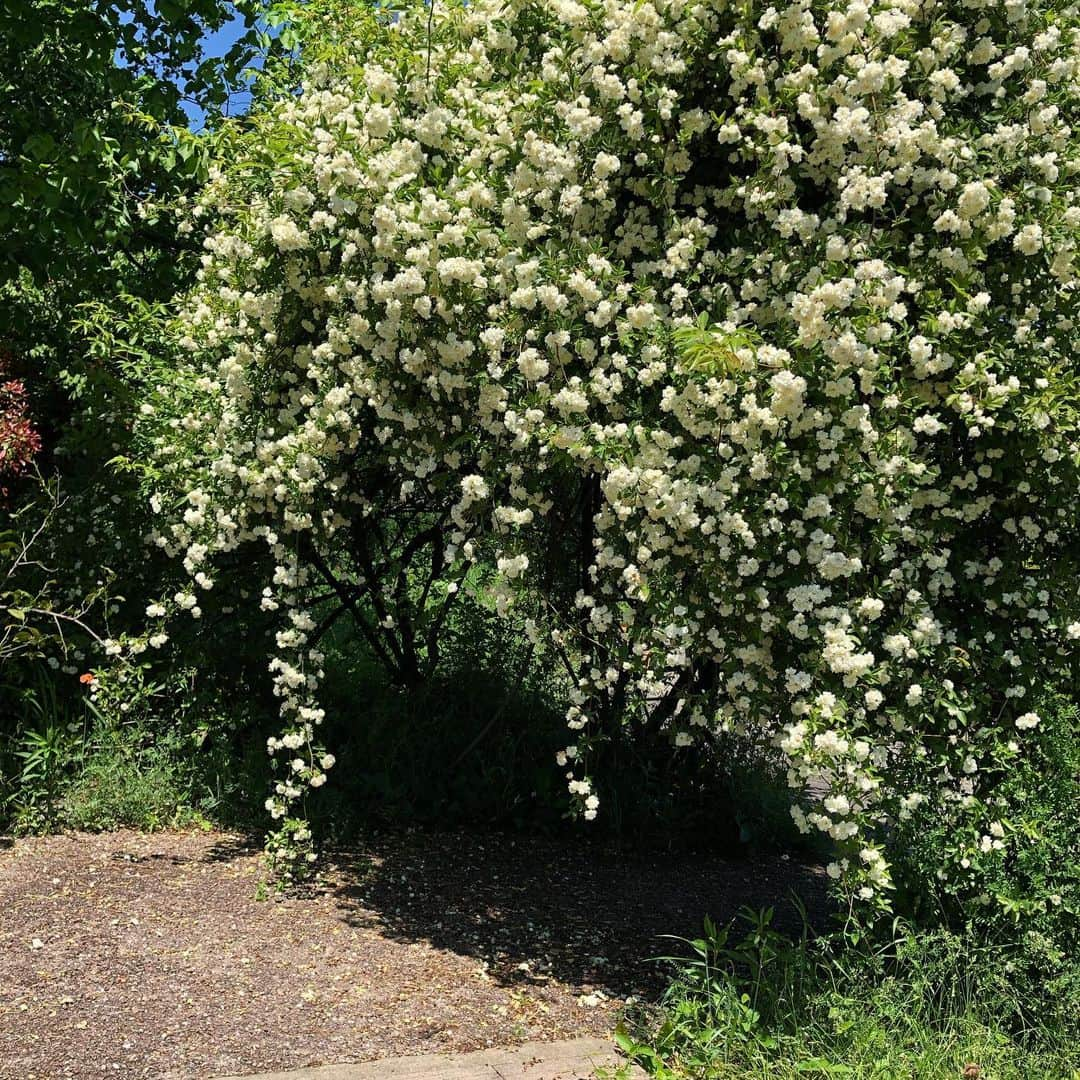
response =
{"points": [[110, 782], [117, 789], [868, 1035], [926, 1008], [64, 764]]}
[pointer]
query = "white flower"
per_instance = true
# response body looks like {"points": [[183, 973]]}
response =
{"points": [[1029, 240], [532, 365], [287, 235], [927, 425], [787, 393], [974, 199], [473, 489]]}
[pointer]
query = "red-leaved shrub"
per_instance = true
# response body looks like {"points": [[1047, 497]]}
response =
{"points": [[19, 439]]}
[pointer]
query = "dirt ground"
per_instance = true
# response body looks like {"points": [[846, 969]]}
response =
{"points": [[134, 955]]}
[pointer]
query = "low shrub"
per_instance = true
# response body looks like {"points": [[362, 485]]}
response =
{"points": [[920, 1007], [146, 755], [979, 972], [1020, 898]]}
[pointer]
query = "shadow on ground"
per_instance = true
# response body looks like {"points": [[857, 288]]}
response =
{"points": [[577, 912], [151, 954]]}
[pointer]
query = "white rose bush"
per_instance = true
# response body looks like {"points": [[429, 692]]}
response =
{"points": [[764, 317]]}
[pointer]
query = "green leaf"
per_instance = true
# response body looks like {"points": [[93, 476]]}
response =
{"points": [[820, 1065]]}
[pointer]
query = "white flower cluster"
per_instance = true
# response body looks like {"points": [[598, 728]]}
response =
{"points": [[790, 290]]}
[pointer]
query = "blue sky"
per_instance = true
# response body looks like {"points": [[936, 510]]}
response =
{"points": [[217, 44]]}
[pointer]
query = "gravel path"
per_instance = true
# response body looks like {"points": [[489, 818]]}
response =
{"points": [[134, 955]]}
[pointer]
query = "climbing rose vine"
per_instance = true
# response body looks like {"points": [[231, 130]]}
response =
{"points": [[788, 292]]}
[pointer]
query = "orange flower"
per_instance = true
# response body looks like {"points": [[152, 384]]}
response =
{"points": [[87, 678]]}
